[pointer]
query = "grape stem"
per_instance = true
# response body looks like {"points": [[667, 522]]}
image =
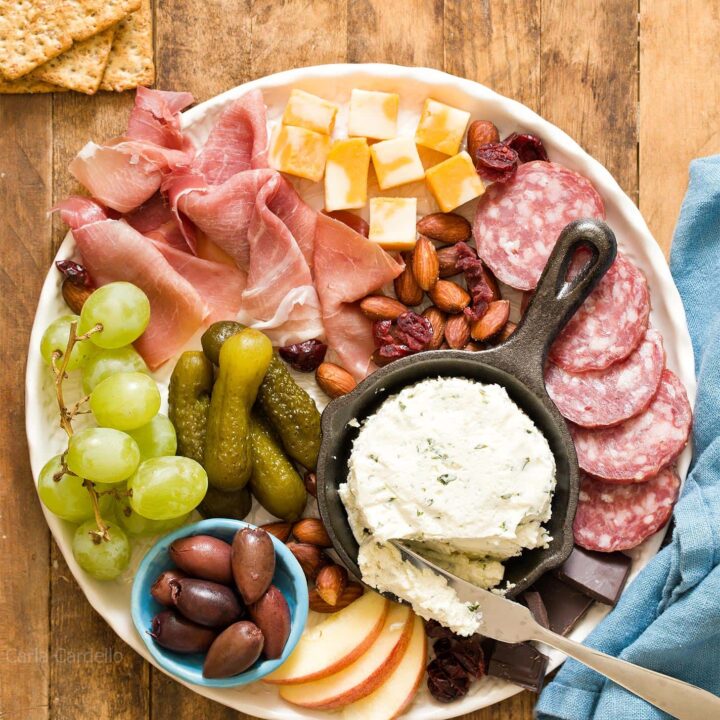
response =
{"points": [[59, 365]]}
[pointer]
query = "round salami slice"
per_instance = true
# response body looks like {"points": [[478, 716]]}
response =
{"points": [[640, 447], [601, 398], [609, 325], [517, 223], [620, 517]]}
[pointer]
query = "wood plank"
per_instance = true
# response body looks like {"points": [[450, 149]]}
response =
{"points": [[25, 193], [679, 103]]}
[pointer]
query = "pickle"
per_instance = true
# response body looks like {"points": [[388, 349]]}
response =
{"points": [[218, 504], [213, 338], [189, 401], [292, 414], [244, 359], [274, 481]]}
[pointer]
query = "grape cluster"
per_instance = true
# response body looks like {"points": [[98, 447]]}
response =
{"points": [[121, 477]]}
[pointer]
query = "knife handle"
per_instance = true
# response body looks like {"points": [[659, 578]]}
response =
{"points": [[680, 699]]}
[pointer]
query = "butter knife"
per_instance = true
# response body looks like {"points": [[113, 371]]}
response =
{"points": [[510, 622]]}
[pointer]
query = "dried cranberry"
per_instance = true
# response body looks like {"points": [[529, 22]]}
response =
{"points": [[304, 356], [382, 333], [433, 629], [414, 330], [496, 162], [466, 650], [447, 679], [528, 147], [385, 354], [480, 285], [74, 272]]}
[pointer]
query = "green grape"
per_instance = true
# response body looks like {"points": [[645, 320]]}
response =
{"points": [[67, 497], [134, 524], [125, 401], [56, 338], [102, 455], [104, 560], [155, 439], [167, 487], [121, 308], [104, 363]]}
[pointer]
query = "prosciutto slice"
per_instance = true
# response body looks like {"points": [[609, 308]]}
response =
{"points": [[155, 118], [238, 142], [347, 267]]}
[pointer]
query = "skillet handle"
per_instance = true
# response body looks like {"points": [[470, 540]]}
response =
{"points": [[556, 300]]}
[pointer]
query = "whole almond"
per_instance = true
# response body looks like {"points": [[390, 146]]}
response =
{"points": [[352, 592], [457, 331], [381, 307], [445, 227], [75, 295], [406, 287], [492, 321], [473, 347], [351, 220], [437, 319], [425, 264], [281, 530], [311, 558], [507, 331], [312, 531], [448, 257], [449, 297], [310, 480], [330, 583], [334, 380], [481, 132], [525, 302]]}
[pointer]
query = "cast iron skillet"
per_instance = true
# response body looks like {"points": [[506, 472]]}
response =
{"points": [[517, 365]]}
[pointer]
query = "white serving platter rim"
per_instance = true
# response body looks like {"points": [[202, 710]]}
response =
{"points": [[110, 600]]}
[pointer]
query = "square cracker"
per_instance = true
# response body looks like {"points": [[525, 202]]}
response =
{"points": [[131, 59], [81, 67], [27, 84], [86, 18], [31, 33]]}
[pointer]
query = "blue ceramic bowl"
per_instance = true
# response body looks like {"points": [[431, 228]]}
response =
{"points": [[289, 578]]}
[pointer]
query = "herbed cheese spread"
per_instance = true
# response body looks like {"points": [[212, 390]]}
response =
{"points": [[457, 468]]}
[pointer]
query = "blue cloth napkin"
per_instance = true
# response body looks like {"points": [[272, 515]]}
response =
{"points": [[669, 617]]}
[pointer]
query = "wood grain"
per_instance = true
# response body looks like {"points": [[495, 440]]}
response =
{"points": [[25, 177], [679, 103]]}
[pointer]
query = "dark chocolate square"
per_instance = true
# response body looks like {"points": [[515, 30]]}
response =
{"points": [[521, 664], [534, 601], [602, 576], [564, 605]]}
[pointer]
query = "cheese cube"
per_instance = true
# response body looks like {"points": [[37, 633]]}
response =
{"points": [[346, 174], [392, 222], [298, 151], [396, 162], [373, 114], [310, 112], [441, 127], [454, 182]]}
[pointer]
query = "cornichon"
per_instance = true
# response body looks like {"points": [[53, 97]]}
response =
{"points": [[292, 413], [274, 481], [217, 503], [189, 401], [214, 337], [244, 359]]}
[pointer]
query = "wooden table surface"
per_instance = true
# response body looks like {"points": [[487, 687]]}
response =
{"points": [[636, 83]]}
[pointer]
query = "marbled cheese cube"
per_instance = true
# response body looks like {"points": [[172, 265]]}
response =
{"points": [[373, 114], [392, 222], [298, 151], [454, 182], [310, 112], [396, 162], [441, 127], [346, 174]]}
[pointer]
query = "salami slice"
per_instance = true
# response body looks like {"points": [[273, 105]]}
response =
{"points": [[620, 517], [609, 325], [517, 223], [640, 447], [601, 398]]}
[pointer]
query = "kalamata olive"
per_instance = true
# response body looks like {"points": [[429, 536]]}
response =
{"points": [[235, 649], [272, 615], [253, 563], [175, 632], [161, 590], [204, 602], [203, 556]]}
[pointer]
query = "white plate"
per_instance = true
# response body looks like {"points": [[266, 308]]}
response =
{"points": [[334, 82]]}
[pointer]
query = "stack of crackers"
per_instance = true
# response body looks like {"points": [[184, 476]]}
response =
{"points": [[82, 45]]}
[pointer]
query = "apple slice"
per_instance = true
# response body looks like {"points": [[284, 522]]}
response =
{"points": [[394, 696], [363, 676], [334, 643]]}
